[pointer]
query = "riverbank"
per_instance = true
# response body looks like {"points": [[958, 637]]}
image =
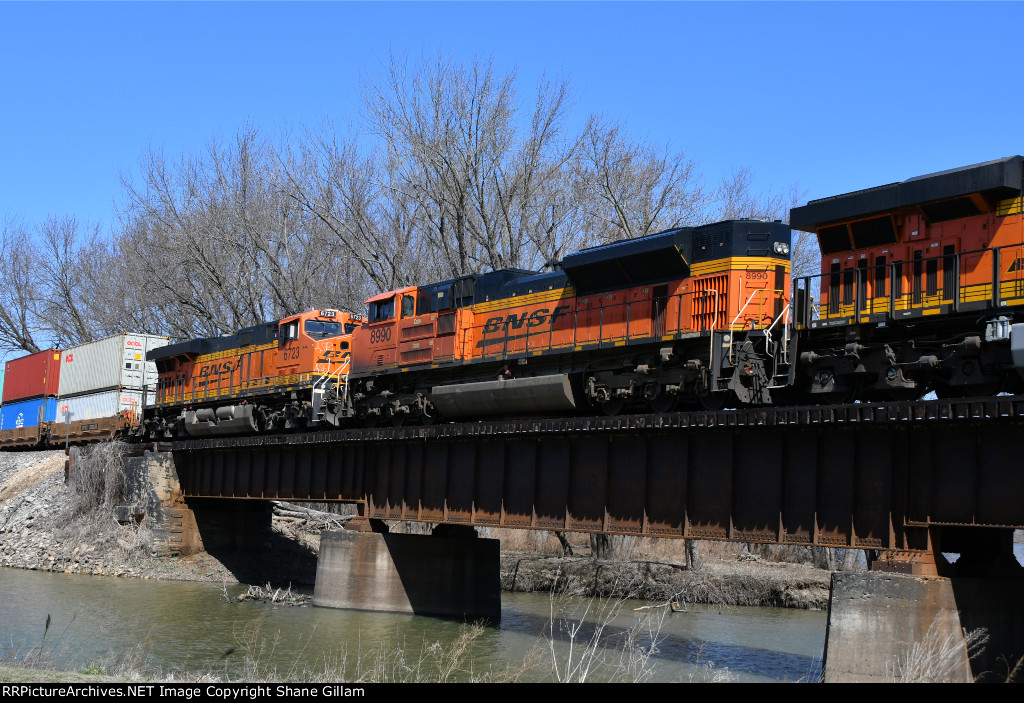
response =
{"points": [[42, 528]]}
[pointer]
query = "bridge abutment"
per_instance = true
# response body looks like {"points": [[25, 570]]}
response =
{"points": [[153, 490], [447, 576], [887, 626]]}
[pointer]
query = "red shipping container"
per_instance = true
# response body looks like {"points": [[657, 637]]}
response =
{"points": [[32, 376]]}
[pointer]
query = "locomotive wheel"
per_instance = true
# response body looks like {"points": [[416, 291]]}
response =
{"points": [[613, 406], [905, 394], [969, 390], [431, 415], [714, 401], [664, 402]]}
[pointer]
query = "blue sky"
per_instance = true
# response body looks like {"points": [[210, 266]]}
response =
{"points": [[831, 96]]}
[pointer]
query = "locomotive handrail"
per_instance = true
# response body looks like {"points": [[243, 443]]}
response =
{"points": [[770, 346], [711, 330], [848, 289], [760, 293]]}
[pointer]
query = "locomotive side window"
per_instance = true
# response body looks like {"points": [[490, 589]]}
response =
{"points": [[290, 331], [382, 310], [408, 305]]}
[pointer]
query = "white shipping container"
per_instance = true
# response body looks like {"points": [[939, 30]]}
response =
{"points": [[94, 406], [108, 364]]}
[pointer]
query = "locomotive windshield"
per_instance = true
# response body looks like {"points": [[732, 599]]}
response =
{"points": [[321, 330]]}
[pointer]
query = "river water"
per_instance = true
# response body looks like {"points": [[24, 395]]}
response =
{"points": [[176, 627]]}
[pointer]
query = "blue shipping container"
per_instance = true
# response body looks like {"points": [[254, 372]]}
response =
{"points": [[26, 413]]}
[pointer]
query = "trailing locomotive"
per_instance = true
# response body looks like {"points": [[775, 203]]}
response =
{"points": [[690, 315], [921, 290]]}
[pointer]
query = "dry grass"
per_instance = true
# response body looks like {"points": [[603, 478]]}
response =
{"points": [[432, 662], [97, 479], [937, 658]]}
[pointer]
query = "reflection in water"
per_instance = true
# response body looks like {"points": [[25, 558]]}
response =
{"points": [[189, 627]]}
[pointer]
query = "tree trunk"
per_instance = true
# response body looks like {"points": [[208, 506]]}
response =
{"points": [[825, 558], [566, 547], [693, 561], [851, 559], [613, 547]]}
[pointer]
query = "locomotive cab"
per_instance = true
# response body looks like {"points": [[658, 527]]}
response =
{"points": [[315, 344], [399, 330]]}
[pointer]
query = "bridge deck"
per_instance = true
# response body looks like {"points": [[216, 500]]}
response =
{"points": [[869, 475]]}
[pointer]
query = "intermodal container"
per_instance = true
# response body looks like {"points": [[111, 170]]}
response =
{"points": [[114, 363], [27, 413], [33, 376], [93, 406]]}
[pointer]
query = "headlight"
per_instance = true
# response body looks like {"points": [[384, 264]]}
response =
{"points": [[781, 248]]}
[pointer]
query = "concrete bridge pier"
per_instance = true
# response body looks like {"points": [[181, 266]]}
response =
{"points": [[963, 625], [450, 573]]}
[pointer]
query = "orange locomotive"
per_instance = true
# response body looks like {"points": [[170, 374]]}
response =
{"points": [[268, 377], [695, 314], [921, 288]]}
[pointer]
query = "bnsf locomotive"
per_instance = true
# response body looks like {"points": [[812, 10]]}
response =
{"points": [[921, 290], [638, 325]]}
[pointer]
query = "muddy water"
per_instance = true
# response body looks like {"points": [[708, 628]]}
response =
{"points": [[171, 627]]}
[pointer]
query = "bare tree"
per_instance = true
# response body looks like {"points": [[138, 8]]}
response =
{"points": [[19, 294], [485, 182], [65, 254], [369, 223], [736, 198], [630, 189], [212, 243]]}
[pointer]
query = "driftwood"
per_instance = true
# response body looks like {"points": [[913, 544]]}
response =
{"points": [[308, 518]]}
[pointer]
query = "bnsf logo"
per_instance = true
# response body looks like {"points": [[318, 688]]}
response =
{"points": [[534, 319], [217, 369]]}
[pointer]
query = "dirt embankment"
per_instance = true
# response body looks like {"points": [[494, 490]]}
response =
{"points": [[41, 528]]}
